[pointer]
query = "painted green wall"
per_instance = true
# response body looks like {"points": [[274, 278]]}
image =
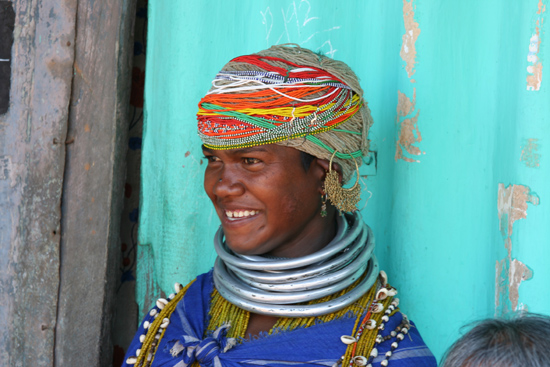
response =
{"points": [[447, 83]]}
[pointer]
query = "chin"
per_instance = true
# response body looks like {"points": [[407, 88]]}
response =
{"points": [[246, 240], [243, 248]]}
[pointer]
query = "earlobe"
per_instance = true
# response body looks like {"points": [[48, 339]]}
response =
{"points": [[322, 166]]}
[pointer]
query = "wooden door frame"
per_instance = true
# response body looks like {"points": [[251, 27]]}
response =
{"points": [[63, 147]]}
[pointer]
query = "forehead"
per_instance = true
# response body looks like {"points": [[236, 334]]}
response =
{"points": [[269, 149], [236, 151]]}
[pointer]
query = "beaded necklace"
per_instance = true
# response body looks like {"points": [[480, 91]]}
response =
{"points": [[222, 311], [366, 329], [379, 302]]}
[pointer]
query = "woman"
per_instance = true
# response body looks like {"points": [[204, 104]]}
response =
{"points": [[295, 282]]}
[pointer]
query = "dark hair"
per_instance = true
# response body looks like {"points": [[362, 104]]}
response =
{"points": [[522, 341], [306, 159]]}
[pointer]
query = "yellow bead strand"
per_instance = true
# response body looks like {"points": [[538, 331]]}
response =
{"points": [[150, 343], [222, 311]]}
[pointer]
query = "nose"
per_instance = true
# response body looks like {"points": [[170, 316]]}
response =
{"points": [[228, 183]]}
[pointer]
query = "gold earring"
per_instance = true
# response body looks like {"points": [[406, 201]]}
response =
{"points": [[345, 200]]}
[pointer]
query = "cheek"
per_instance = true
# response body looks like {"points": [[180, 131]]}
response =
{"points": [[297, 196], [290, 204], [299, 202], [208, 185]]}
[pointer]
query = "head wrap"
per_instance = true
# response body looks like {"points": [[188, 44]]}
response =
{"points": [[289, 96]]}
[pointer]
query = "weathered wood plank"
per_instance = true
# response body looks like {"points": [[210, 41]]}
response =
{"points": [[32, 156], [94, 178]]}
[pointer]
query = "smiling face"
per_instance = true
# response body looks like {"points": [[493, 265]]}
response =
{"points": [[268, 203]]}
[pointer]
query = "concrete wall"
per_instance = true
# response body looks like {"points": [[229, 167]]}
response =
{"points": [[458, 196]]}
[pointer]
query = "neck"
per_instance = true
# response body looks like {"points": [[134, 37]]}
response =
{"points": [[319, 233]]}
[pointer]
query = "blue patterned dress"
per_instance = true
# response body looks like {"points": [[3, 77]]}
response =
{"points": [[184, 341]]}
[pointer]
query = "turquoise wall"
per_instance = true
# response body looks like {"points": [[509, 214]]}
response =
{"points": [[461, 104]]}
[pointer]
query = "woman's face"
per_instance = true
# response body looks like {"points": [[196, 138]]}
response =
{"points": [[266, 200]]}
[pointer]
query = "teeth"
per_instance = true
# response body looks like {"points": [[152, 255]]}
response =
{"points": [[240, 213]]}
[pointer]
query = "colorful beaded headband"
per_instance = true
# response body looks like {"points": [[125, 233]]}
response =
{"points": [[250, 108]]}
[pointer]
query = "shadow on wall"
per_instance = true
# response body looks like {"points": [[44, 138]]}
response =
{"points": [[126, 310]]}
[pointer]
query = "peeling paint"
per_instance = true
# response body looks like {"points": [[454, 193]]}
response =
{"points": [[519, 272], [512, 205], [534, 70], [529, 153], [405, 106], [541, 8], [408, 133], [408, 48]]}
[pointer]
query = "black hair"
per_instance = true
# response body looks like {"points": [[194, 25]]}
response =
{"points": [[306, 159], [521, 341]]}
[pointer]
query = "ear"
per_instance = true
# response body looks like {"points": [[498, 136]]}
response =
{"points": [[322, 166]]}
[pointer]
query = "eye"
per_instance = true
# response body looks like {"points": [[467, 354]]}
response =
{"points": [[250, 161], [211, 158]]}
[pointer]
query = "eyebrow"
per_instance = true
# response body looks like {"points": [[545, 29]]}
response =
{"points": [[206, 149], [249, 150]]}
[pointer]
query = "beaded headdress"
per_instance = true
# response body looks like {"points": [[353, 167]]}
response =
{"points": [[289, 96]]}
